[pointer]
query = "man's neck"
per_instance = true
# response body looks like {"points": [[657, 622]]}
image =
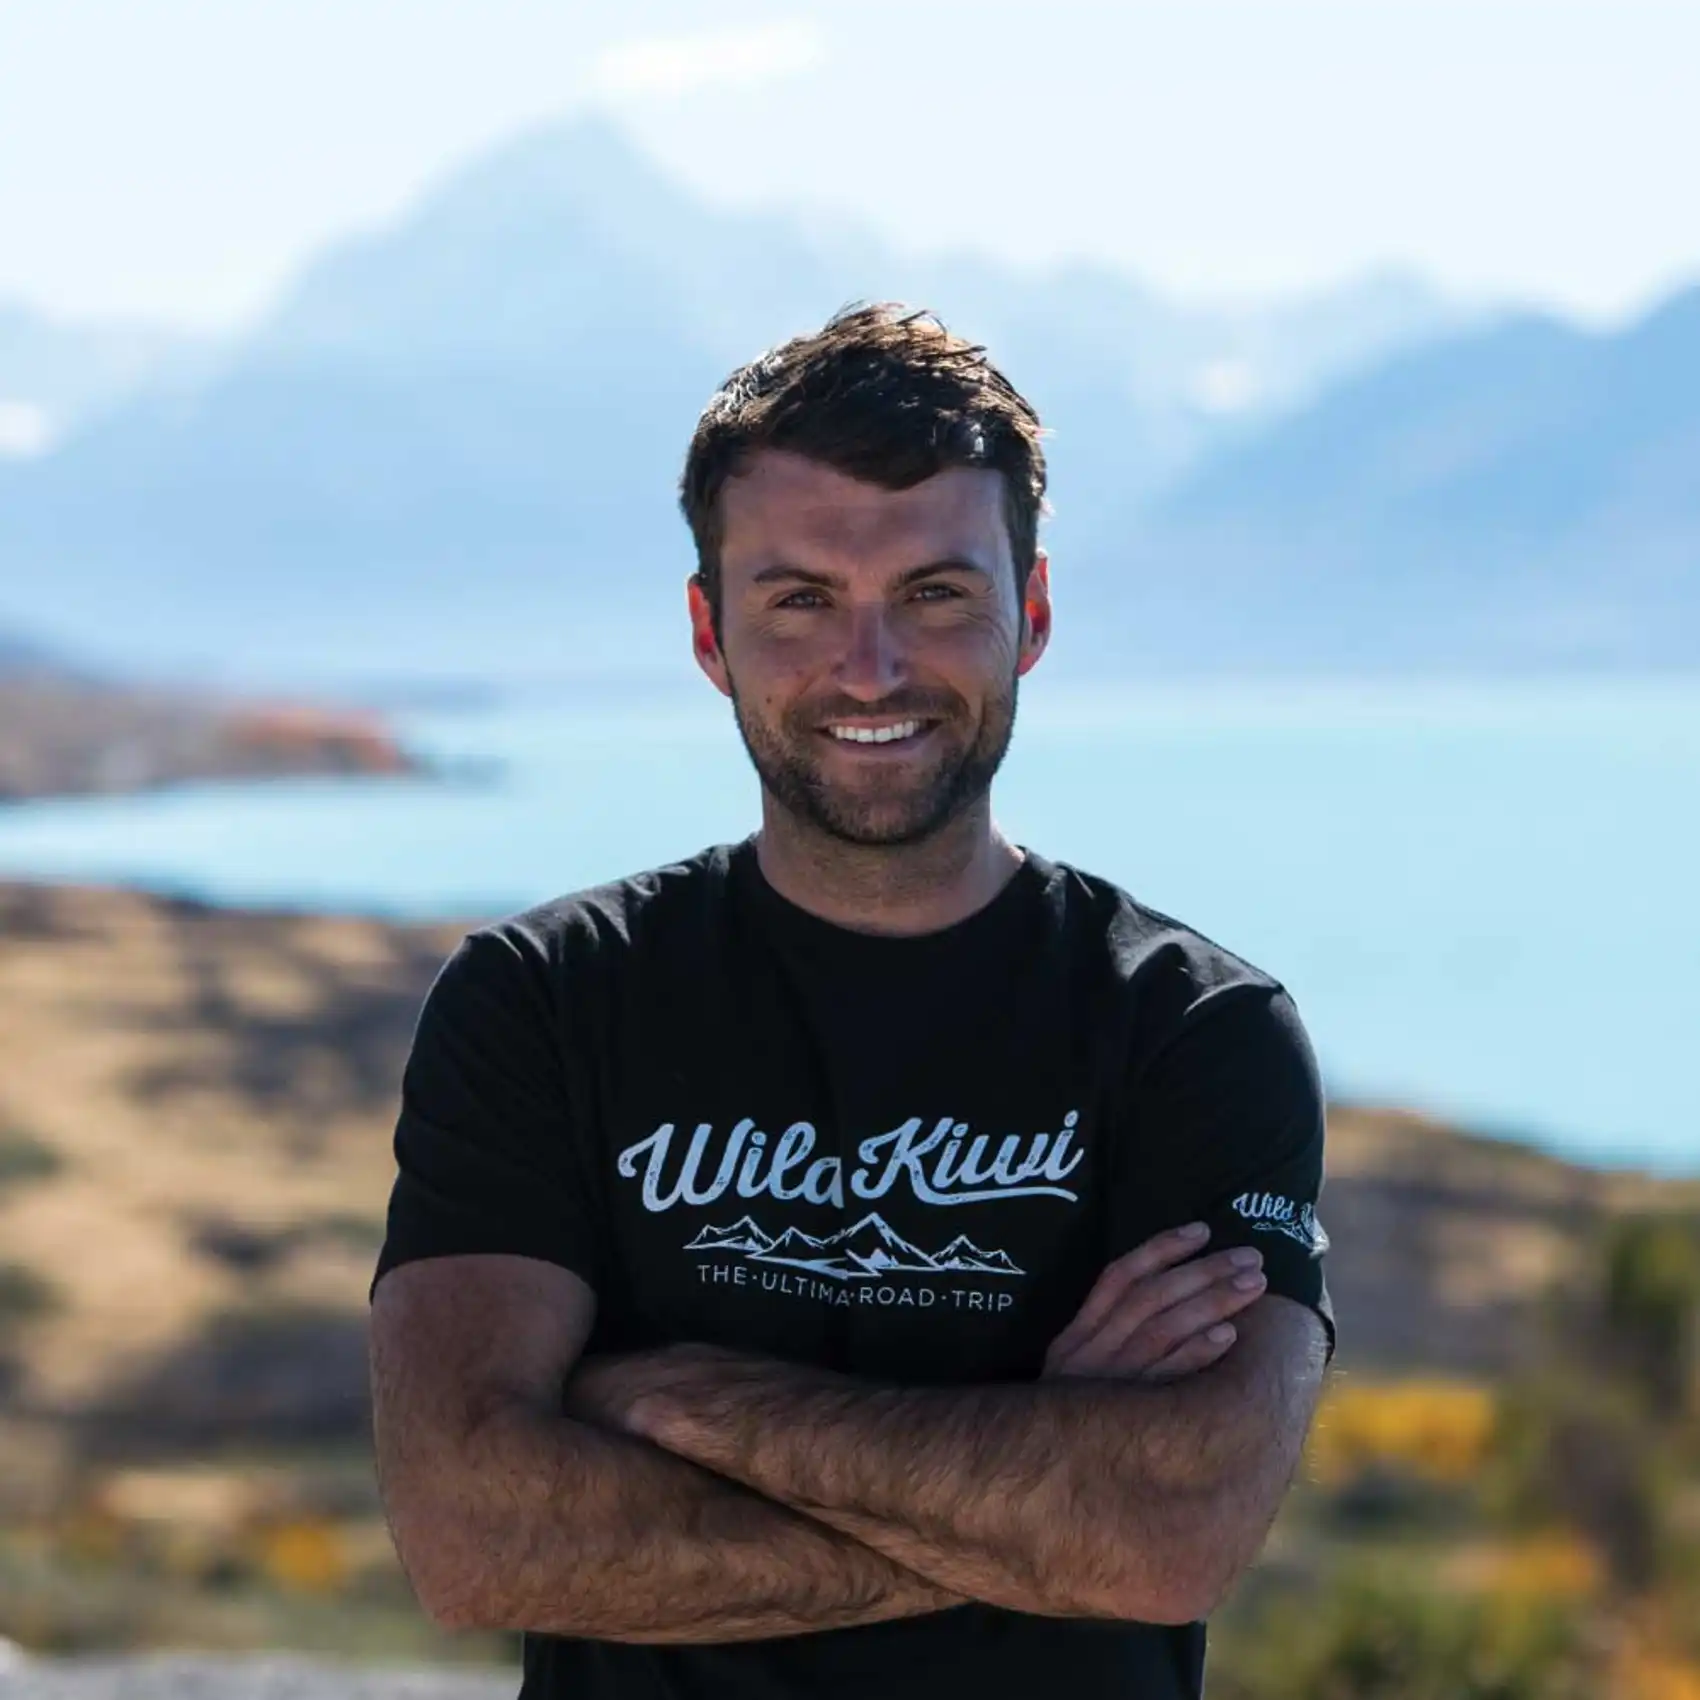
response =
{"points": [[900, 889]]}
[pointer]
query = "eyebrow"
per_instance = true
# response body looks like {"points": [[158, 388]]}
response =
{"points": [[783, 571]]}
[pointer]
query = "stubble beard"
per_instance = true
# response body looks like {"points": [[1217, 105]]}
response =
{"points": [[909, 807]]}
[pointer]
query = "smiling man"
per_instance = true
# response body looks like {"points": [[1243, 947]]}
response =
{"points": [[873, 1256]]}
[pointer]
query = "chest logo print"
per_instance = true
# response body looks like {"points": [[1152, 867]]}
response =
{"points": [[869, 1250], [943, 1164]]}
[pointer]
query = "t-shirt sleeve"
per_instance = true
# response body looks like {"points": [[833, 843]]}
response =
{"points": [[491, 1143], [1228, 1123]]}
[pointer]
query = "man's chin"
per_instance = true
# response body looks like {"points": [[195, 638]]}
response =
{"points": [[858, 803], [887, 829], [871, 823]]}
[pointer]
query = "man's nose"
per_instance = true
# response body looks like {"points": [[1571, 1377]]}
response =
{"points": [[873, 662]]}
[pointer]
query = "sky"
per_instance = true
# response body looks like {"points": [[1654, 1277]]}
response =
{"points": [[179, 160]]}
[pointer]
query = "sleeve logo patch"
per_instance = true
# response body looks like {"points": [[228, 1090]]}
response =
{"points": [[1270, 1213]]}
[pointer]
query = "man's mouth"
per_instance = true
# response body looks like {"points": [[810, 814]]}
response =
{"points": [[882, 734]]}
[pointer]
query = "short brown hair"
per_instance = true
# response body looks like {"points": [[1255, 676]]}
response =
{"points": [[882, 393]]}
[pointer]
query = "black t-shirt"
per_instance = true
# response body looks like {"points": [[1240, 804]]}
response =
{"points": [[906, 1158]]}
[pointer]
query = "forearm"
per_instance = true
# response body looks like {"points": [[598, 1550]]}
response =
{"points": [[1066, 1496], [576, 1531], [1001, 1491]]}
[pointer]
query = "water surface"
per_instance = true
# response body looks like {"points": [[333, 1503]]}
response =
{"points": [[1482, 897]]}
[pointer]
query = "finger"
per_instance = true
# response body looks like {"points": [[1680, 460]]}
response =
{"points": [[1192, 1355], [1217, 1303], [1137, 1306], [1196, 1352], [1159, 1252], [1164, 1290], [1239, 1269], [1145, 1259], [1125, 1349]]}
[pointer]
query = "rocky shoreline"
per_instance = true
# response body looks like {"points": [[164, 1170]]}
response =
{"points": [[63, 736]]}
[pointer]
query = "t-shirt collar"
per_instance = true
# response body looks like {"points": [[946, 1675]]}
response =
{"points": [[1011, 900]]}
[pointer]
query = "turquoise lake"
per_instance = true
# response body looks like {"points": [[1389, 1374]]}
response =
{"points": [[1483, 897]]}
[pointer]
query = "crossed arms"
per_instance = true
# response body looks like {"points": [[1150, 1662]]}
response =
{"points": [[696, 1494]]}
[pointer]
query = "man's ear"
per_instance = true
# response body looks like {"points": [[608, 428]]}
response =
{"points": [[1036, 611], [705, 640]]}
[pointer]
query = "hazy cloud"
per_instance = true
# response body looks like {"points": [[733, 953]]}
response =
{"points": [[24, 430], [1225, 386], [728, 58]]}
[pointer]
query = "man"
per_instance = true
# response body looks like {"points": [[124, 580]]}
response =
{"points": [[811, 1264]]}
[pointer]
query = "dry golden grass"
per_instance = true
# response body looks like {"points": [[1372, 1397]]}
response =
{"points": [[185, 1067]]}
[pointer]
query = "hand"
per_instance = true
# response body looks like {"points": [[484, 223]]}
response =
{"points": [[1153, 1317], [625, 1390]]}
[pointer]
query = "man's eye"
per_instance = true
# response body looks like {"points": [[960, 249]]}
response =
{"points": [[949, 590], [791, 600]]}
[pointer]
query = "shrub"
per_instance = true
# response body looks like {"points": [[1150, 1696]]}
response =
{"points": [[1437, 1430], [25, 1158], [306, 1555], [1577, 1454], [1650, 1309], [1373, 1638], [24, 1296]]}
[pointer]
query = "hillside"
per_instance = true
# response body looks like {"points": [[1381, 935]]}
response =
{"points": [[207, 1096], [452, 450], [195, 1116], [200, 1094]]}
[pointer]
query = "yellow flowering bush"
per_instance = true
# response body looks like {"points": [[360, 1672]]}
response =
{"points": [[1440, 1430]]}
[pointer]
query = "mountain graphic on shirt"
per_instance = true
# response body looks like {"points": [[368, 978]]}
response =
{"points": [[803, 1251], [875, 1244], [867, 1250], [962, 1253], [743, 1235], [792, 1243]]}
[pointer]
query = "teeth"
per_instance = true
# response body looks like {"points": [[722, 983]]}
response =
{"points": [[876, 735]]}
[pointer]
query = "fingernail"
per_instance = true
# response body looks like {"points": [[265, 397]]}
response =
{"points": [[1245, 1257], [1194, 1230], [1248, 1281], [1222, 1331]]}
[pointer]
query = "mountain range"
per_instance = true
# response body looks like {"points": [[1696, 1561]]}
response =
{"points": [[55, 377], [868, 1247], [452, 449], [1525, 495], [450, 453]]}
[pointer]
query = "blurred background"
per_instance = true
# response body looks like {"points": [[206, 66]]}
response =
{"points": [[348, 355]]}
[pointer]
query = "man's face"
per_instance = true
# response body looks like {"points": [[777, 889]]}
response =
{"points": [[852, 613]]}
